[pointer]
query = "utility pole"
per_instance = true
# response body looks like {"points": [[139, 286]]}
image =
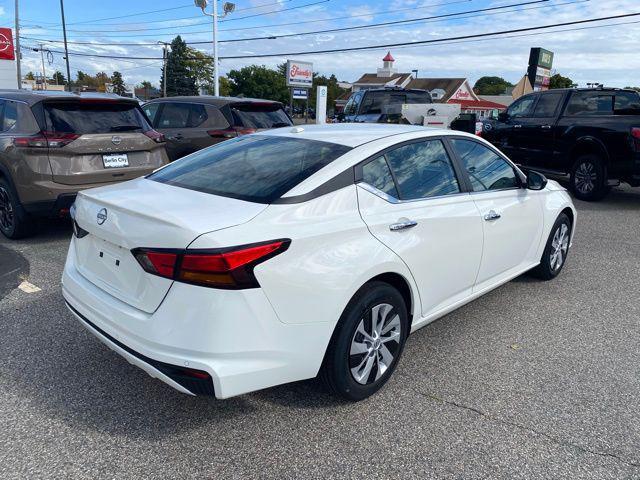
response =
{"points": [[164, 68], [17, 30], [66, 51], [44, 72]]}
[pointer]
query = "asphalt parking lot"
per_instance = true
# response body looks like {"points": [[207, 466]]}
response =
{"points": [[534, 380]]}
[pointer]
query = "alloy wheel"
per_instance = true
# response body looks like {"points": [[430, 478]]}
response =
{"points": [[6, 210], [559, 247], [375, 343], [585, 178]]}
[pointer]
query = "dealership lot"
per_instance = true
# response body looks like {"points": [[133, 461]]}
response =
{"points": [[532, 380]]}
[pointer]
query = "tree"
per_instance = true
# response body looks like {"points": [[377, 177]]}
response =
{"points": [[333, 90], [180, 77], [117, 83], [58, 78], [145, 84], [491, 86], [637, 89], [260, 82], [200, 66], [224, 84], [29, 76], [558, 81]]}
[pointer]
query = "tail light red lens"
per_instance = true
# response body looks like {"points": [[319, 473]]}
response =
{"points": [[635, 135], [155, 136], [229, 268], [45, 139]]}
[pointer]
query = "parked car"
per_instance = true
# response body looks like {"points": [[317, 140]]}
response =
{"points": [[272, 257], [590, 136], [54, 144], [192, 123]]}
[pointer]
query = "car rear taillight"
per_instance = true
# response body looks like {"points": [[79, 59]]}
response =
{"points": [[635, 135], [231, 132], [155, 136], [45, 139], [228, 268]]}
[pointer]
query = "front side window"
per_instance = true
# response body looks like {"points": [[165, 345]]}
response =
{"points": [[423, 170], [486, 169], [522, 107], [255, 168], [547, 105], [590, 103], [377, 174], [151, 109]]}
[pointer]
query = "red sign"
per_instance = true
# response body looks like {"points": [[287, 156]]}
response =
{"points": [[461, 95], [6, 44]]}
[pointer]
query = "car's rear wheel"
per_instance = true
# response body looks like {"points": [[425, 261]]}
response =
{"points": [[367, 343], [588, 180], [14, 221], [556, 251]]}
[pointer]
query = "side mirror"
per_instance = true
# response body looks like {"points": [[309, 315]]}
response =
{"points": [[535, 180], [503, 116]]}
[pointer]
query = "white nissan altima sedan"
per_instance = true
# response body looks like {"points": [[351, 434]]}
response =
{"points": [[305, 251]]}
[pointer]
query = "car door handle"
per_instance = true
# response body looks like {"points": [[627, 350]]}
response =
{"points": [[517, 125], [405, 224], [177, 136], [491, 216], [546, 127]]}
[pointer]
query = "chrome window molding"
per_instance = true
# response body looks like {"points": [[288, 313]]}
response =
{"points": [[388, 198]]}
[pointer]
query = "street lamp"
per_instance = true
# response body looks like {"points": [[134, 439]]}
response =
{"points": [[227, 8]]}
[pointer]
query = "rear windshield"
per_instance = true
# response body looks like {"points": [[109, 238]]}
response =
{"points": [[256, 115], [375, 102], [256, 168], [94, 117]]}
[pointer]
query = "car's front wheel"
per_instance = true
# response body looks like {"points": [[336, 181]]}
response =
{"points": [[367, 343], [556, 250]]}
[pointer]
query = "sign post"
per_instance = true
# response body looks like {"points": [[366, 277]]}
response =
{"points": [[321, 105], [539, 71]]}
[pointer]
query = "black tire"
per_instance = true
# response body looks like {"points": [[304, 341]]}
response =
{"points": [[549, 267], [15, 223], [336, 371], [588, 179]]}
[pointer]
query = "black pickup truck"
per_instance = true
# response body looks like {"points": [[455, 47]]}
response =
{"points": [[590, 136]]}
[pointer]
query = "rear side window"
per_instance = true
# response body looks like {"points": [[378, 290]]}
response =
{"points": [[377, 174], [181, 115], [547, 105], [486, 169], [94, 117], [423, 170], [256, 168], [151, 109], [259, 115], [590, 103], [627, 101]]}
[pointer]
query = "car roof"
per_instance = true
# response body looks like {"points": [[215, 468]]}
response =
{"points": [[350, 134], [34, 96], [211, 100]]}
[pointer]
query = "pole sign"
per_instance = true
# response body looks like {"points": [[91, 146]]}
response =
{"points": [[321, 105], [539, 71], [300, 93], [299, 74], [6, 44]]}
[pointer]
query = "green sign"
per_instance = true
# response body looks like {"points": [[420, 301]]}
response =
{"points": [[545, 58]]}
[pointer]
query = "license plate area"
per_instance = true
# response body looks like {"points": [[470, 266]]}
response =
{"points": [[115, 160]]}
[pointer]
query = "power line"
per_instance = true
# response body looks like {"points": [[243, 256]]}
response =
{"points": [[384, 46], [190, 5], [332, 19], [318, 2], [358, 27]]}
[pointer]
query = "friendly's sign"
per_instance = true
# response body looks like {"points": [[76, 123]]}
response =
{"points": [[299, 74]]}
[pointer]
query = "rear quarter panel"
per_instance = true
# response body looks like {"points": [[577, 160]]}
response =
{"points": [[332, 254]]}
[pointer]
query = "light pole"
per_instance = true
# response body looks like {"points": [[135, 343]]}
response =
{"points": [[227, 8], [66, 51], [164, 67], [18, 52]]}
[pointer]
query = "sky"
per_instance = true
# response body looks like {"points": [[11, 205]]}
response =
{"points": [[606, 54]]}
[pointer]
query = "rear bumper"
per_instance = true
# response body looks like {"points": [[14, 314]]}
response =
{"points": [[233, 336], [51, 208]]}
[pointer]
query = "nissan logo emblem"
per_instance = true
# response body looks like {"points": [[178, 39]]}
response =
{"points": [[102, 216], [116, 140]]}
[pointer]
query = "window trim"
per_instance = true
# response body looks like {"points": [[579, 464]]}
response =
{"points": [[463, 182], [521, 177]]}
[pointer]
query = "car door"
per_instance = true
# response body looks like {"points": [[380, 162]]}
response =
{"points": [[509, 134], [412, 201], [183, 125], [511, 214], [538, 132]]}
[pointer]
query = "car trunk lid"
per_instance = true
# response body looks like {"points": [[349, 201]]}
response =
{"points": [[145, 214]]}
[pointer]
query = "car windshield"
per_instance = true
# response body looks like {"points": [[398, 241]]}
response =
{"points": [[375, 102], [85, 117], [256, 168], [260, 115]]}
